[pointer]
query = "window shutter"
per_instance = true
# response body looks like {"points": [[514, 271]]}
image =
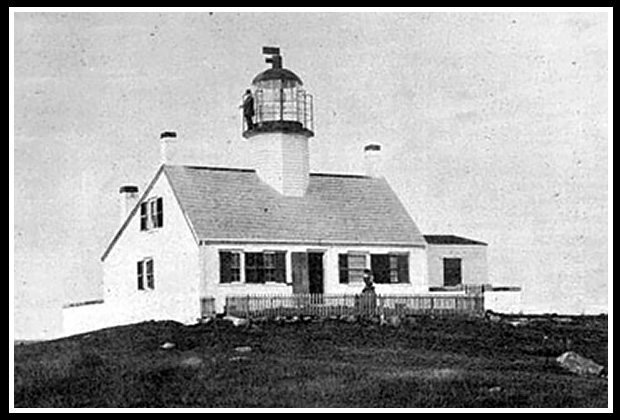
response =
{"points": [[160, 212], [144, 216], [280, 263], [260, 267], [403, 268], [140, 275], [225, 267], [380, 266], [343, 268]]}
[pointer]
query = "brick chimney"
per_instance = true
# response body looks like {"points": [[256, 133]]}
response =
{"points": [[128, 199], [167, 147], [372, 160]]}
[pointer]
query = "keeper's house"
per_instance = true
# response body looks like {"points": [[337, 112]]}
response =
{"points": [[198, 233]]}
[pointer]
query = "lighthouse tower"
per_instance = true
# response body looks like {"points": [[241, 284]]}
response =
{"points": [[278, 123]]}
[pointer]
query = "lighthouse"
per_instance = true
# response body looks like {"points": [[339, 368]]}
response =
{"points": [[278, 123]]}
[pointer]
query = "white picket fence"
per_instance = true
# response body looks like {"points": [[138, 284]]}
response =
{"points": [[322, 305]]}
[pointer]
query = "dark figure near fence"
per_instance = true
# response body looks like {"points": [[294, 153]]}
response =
{"points": [[248, 109], [368, 281], [367, 303]]}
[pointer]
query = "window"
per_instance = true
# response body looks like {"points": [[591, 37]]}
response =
{"points": [[230, 267], [452, 272], [269, 264], [386, 268], [390, 268], [351, 267], [254, 267], [152, 214], [150, 275], [146, 274], [263, 267]]}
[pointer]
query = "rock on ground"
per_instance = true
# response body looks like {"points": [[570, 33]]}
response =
{"points": [[167, 346], [579, 365], [191, 362], [237, 322]]}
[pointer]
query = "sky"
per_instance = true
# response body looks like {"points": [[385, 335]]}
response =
{"points": [[494, 126]]}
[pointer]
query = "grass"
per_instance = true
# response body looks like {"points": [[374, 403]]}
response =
{"points": [[425, 362]]}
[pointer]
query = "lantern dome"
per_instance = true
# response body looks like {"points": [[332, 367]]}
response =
{"points": [[277, 101], [277, 74]]}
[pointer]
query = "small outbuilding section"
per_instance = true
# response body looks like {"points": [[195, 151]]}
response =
{"points": [[459, 265], [455, 262]]}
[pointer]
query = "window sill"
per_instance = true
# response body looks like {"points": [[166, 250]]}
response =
{"points": [[361, 284], [393, 284], [270, 284], [152, 231]]}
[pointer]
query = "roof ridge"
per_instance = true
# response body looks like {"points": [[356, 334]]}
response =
{"points": [[212, 168], [324, 174], [233, 169]]}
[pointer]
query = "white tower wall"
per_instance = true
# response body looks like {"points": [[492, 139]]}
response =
{"points": [[282, 161]]}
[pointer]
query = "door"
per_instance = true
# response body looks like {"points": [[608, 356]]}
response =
{"points": [[315, 273], [299, 270], [452, 275]]}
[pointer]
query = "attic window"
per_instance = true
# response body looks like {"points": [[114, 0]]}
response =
{"points": [[152, 214]]}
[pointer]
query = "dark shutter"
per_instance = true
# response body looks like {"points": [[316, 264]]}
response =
{"points": [[343, 268], [250, 267], [260, 267], [225, 267], [160, 212], [280, 263], [403, 268], [140, 275], [380, 266], [144, 216]]}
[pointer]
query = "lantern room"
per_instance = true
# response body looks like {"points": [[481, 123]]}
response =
{"points": [[277, 101]]}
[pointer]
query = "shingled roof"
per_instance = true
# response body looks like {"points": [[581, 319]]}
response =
{"points": [[234, 204], [451, 240]]}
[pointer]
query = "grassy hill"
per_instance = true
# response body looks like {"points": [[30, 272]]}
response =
{"points": [[424, 362]]}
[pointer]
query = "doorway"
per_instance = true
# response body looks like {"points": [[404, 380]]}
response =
{"points": [[307, 270]]}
